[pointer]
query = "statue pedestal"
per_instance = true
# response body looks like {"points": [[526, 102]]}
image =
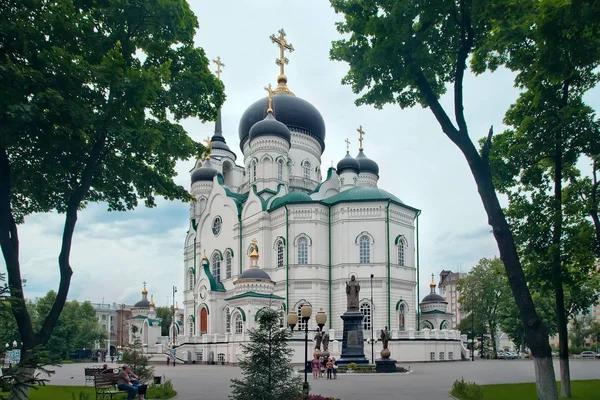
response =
{"points": [[353, 342], [385, 365]]}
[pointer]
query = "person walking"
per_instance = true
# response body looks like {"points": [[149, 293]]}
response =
{"points": [[315, 368]]}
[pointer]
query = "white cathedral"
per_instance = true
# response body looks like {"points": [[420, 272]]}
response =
{"points": [[280, 231]]}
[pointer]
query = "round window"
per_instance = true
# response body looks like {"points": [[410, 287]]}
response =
{"points": [[216, 226]]}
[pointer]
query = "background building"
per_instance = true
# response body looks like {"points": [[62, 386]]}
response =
{"points": [[448, 290]]}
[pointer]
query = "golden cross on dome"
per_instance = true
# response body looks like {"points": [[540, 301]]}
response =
{"points": [[208, 148], [347, 145], [219, 65], [361, 133], [270, 91], [283, 46]]}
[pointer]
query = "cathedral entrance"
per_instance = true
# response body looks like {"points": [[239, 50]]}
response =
{"points": [[203, 320]]}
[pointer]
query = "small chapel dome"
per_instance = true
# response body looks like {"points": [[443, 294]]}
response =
{"points": [[348, 163], [205, 173], [290, 110], [270, 127], [366, 164], [433, 298], [143, 303], [254, 274], [290, 198]]}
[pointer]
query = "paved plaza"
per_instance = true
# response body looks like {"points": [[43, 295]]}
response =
{"points": [[429, 381]]}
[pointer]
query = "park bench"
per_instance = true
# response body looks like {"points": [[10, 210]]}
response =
{"points": [[106, 386], [89, 374]]}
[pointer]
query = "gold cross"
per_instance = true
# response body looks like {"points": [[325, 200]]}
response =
{"points": [[270, 91], [219, 65], [347, 145], [361, 133], [208, 148], [144, 284], [283, 46]]}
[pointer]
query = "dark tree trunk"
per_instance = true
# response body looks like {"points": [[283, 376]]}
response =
{"points": [[556, 259]]}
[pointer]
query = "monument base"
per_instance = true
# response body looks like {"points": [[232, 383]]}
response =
{"points": [[353, 341], [385, 365]]}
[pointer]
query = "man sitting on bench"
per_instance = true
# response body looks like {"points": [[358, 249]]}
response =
{"points": [[126, 383]]}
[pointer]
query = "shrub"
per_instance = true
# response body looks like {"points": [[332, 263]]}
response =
{"points": [[352, 365], [164, 391], [466, 390]]}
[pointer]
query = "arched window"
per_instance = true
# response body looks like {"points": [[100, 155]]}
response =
{"points": [[365, 249], [365, 309], [302, 251], [301, 325], [402, 316], [227, 320], [228, 264], [216, 266], [280, 170], [401, 252], [306, 170], [191, 279], [280, 251], [239, 324], [282, 317], [253, 171]]}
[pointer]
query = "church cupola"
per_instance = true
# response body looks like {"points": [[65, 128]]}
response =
{"points": [[369, 170], [269, 144], [219, 148], [254, 279], [348, 170]]}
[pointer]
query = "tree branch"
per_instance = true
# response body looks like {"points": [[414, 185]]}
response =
{"points": [[487, 146], [466, 43]]}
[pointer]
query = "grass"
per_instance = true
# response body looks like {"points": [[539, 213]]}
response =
{"points": [[581, 390], [52, 392]]}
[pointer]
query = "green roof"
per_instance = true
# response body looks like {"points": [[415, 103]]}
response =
{"points": [[362, 193], [290, 198], [254, 294]]}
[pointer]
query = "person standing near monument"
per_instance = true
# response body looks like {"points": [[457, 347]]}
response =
{"points": [[352, 291]]}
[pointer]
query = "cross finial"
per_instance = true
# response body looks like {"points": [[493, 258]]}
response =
{"points": [[270, 91], [219, 65], [347, 145], [208, 148], [361, 133], [283, 46]]}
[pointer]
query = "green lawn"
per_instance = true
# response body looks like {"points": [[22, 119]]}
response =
{"points": [[84, 393], [581, 390]]}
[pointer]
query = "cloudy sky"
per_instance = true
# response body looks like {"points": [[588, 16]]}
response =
{"points": [[113, 253]]}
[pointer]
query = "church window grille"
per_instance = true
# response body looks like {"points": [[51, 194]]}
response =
{"points": [[280, 250], [301, 324], [199, 356], [191, 279], [365, 249], [216, 226], [228, 264], [302, 251], [221, 357], [450, 355], [432, 356], [306, 170], [239, 325], [227, 320], [254, 171], [401, 252], [280, 170], [216, 266], [441, 356], [365, 309]]}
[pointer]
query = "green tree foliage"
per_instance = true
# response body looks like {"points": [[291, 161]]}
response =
{"points": [[582, 328], [483, 292], [133, 355], [554, 49], [166, 316], [90, 93], [267, 373]]}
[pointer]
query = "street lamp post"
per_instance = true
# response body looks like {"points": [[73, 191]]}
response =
{"points": [[173, 319], [472, 328], [372, 324], [292, 319]]}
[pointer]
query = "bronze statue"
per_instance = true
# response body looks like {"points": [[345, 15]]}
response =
{"points": [[385, 337], [318, 339], [352, 290], [325, 341]]}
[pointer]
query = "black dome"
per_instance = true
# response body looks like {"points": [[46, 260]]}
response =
{"points": [[217, 144], [366, 164], [348, 163], [205, 173], [142, 304], [433, 298], [255, 274], [270, 127], [293, 111]]}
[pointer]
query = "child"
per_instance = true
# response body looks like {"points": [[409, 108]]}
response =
{"points": [[329, 368], [315, 368]]}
